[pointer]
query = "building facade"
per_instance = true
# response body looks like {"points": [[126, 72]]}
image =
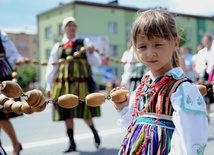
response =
{"points": [[27, 44], [108, 26]]}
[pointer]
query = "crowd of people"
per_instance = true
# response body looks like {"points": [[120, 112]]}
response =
{"points": [[164, 103]]}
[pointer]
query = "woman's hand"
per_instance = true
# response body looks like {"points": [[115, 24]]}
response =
{"points": [[20, 61], [90, 48], [120, 105]]}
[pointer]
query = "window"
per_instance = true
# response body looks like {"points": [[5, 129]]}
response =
{"points": [[60, 30], [128, 36], [115, 71], [113, 50], [22, 45], [35, 54], [189, 34], [35, 41], [212, 34], [128, 27], [112, 27], [48, 32], [48, 53]]}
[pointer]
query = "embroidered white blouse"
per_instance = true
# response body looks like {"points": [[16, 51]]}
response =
{"points": [[189, 117], [10, 49], [93, 59]]}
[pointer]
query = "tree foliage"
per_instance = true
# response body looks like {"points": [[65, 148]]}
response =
{"points": [[26, 75], [183, 35]]}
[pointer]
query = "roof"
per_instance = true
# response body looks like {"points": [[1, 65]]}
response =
{"points": [[26, 29], [107, 5]]}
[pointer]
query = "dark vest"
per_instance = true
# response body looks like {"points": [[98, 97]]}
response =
{"points": [[5, 68]]}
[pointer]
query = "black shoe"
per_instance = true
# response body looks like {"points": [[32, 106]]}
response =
{"points": [[20, 148], [71, 148], [97, 140]]}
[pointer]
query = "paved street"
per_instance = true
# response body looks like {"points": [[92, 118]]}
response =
{"points": [[39, 135]]}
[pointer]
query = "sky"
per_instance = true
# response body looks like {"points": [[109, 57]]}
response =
{"points": [[22, 14]]}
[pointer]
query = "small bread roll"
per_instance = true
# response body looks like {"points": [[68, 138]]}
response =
{"points": [[68, 101], [95, 99], [25, 108], [119, 96], [202, 89], [39, 108], [16, 107], [41, 99], [44, 63], [69, 58], [8, 104], [77, 54], [3, 99], [33, 97], [11, 89]]}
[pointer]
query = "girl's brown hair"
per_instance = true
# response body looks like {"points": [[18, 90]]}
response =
{"points": [[157, 23]]}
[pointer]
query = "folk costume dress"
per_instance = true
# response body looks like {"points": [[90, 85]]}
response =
{"points": [[128, 58], [8, 56], [139, 71], [72, 77], [166, 116], [133, 72]]}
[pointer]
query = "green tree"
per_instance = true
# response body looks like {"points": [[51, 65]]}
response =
{"points": [[26, 75], [183, 35]]}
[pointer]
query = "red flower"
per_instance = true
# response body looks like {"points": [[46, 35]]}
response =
{"points": [[68, 44]]}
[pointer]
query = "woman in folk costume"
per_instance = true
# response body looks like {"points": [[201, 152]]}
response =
{"points": [[73, 77], [8, 56], [166, 114], [128, 60]]}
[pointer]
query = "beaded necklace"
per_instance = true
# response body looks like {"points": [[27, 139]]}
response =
{"points": [[162, 85]]}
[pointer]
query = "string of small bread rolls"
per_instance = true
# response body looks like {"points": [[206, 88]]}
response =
{"points": [[76, 54], [36, 102], [69, 58]]}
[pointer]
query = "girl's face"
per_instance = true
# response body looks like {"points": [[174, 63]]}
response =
{"points": [[71, 28], [156, 54]]}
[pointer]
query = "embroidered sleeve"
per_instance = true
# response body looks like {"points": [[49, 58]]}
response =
{"points": [[191, 123], [11, 51], [190, 99], [126, 113]]}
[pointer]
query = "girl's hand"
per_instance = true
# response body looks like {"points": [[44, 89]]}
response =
{"points": [[120, 105], [48, 94]]}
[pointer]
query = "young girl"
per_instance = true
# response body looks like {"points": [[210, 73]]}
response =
{"points": [[166, 114]]}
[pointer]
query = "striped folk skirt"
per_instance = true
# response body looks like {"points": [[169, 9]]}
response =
{"points": [[81, 88], [159, 140]]}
